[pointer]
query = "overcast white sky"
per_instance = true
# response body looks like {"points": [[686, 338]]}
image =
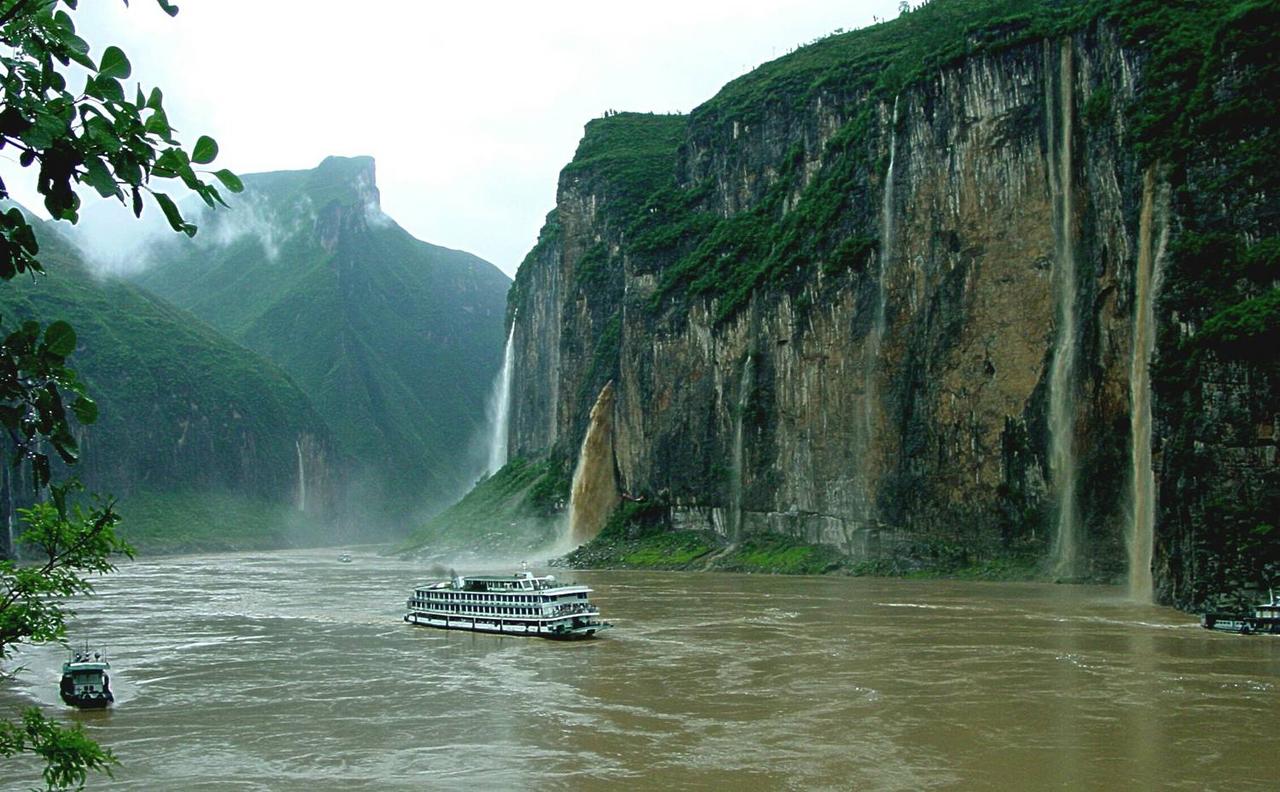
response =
{"points": [[471, 109]]}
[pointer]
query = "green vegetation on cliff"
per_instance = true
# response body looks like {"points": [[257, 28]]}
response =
{"points": [[519, 509], [630, 154], [637, 536], [886, 58], [183, 408], [394, 340], [702, 254]]}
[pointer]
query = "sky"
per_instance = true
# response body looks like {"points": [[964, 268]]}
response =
{"points": [[470, 109]]}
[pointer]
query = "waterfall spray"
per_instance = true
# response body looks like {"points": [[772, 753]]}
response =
{"points": [[1062, 379], [302, 477], [1143, 493], [595, 487], [499, 411], [735, 481]]}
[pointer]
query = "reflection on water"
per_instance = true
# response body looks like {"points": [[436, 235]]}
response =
{"points": [[279, 671]]}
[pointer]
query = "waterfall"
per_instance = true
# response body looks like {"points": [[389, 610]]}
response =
{"points": [[1142, 519], [1062, 379], [595, 488], [8, 512], [302, 477], [499, 409], [735, 480], [875, 339]]}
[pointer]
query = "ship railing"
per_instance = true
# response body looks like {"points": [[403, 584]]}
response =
{"points": [[575, 608]]}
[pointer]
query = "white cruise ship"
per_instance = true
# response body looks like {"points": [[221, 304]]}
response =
{"points": [[519, 604]]}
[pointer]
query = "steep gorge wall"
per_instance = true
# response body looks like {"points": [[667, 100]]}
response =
{"points": [[186, 416], [886, 388]]}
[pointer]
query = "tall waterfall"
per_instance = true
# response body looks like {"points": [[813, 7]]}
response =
{"points": [[875, 339], [1142, 519], [8, 512], [302, 477], [1062, 377], [595, 487], [499, 408], [735, 480]]}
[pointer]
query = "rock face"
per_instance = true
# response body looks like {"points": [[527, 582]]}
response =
{"points": [[900, 322]]}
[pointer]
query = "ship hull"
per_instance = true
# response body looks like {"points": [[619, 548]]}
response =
{"points": [[562, 632]]}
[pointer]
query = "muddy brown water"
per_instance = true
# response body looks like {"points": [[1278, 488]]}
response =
{"points": [[288, 670]]}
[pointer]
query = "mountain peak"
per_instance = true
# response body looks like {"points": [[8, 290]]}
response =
{"points": [[355, 177], [341, 181], [347, 167]]}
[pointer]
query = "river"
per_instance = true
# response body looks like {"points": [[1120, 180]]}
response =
{"points": [[291, 671]]}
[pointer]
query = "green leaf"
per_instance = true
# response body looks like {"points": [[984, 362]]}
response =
{"points": [[60, 338], [170, 210], [106, 89], [79, 46], [46, 128], [127, 171], [169, 8], [229, 180], [158, 124], [81, 59], [206, 150], [114, 64], [188, 176], [86, 409], [65, 443], [99, 178]]}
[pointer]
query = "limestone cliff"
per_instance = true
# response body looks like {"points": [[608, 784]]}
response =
{"points": [[889, 302]]}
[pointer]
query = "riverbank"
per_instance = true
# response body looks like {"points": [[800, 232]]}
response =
{"points": [[637, 537]]}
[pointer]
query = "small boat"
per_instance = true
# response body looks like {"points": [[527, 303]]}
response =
{"points": [[345, 558], [519, 604], [1264, 619], [85, 682]]}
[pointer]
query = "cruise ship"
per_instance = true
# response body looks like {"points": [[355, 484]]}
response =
{"points": [[519, 604]]}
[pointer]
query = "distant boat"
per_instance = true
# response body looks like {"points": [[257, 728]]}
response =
{"points": [[519, 604], [85, 682], [1265, 619], [345, 558]]}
